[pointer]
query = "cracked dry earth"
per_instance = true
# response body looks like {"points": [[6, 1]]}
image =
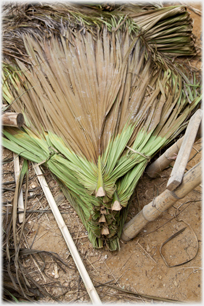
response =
{"points": [[138, 266]]}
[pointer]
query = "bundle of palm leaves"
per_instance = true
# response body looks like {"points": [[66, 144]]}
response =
{"points": [[100, 95]]}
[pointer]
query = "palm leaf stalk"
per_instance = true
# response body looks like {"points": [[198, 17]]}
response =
{"points": [[98, 107]]}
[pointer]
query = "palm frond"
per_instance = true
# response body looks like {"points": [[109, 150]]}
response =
{"points": [[99, 106], [154, 23]]}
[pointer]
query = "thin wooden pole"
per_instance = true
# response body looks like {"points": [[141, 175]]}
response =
{"points": [[68, 238], [154, 209], [12, 119]]}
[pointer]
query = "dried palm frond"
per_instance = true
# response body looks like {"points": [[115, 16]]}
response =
{"points": [[98, 107], [167, 31]]}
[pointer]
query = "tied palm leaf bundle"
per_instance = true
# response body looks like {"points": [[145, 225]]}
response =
{"points": [[98, 103]]}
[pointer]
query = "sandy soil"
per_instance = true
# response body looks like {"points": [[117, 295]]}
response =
{"points": [[138, 266]]}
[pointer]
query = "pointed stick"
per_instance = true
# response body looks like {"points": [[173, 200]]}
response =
{"points": [[20, 199], [68, 238]]}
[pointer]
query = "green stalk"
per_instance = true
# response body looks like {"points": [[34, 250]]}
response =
{"points": [[100, 190]]}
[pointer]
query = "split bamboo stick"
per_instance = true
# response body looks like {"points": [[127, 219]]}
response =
{"points": [[154, 209], [12, 119], [171, 153], [20, 199], [68, 239]]}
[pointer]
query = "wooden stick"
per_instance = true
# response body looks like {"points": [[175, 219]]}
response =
{"points": [[20, 199], [68, 239], [185, 150], [167, 157], [164, 160], [12, 119], [166, 199]]}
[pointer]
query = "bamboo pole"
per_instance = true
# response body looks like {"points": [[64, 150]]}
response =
{"points": [[12, 119], [68, 239], [20, 199], [154, 209], [170, 154]]}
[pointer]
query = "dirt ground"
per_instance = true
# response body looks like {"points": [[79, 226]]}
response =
{"points": [[138, 266]]}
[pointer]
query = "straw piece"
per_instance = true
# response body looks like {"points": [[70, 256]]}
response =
{"points": [[68, 239], [20, 199]]}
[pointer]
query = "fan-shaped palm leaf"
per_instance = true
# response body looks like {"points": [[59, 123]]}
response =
{"points": [[98, 108]]}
